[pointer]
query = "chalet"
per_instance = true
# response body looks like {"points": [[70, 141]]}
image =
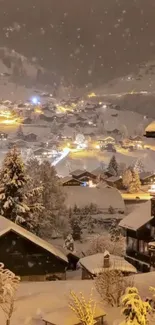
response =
{"points": [[103, 198], [96, 264], [70, 181], [43, 153], [137, 141], [139, 228], [66, 316], [147, 178], [150, 130], [115, 181], [110, 147], [18, 143], [114, 132], [99, 173], [29, 256], [107, 140], [31, 137], [83, 175], [3, 136]]}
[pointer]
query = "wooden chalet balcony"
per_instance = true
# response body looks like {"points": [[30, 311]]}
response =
{"points": [[143, 257], [151, 247]]}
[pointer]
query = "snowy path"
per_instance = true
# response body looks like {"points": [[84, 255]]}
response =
{"points": [[64, 155]]}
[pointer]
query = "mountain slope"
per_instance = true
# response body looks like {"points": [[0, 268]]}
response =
{"points": [[85, 41]]}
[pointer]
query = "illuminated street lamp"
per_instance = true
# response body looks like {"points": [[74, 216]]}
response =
{"points": [[35, 100]]}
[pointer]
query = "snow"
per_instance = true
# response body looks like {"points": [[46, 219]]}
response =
{"points": [[36, 299], [150, 127], [92, 162], [102, 197]]}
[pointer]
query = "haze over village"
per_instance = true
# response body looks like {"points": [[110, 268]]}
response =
{"points": [[77, 163]]}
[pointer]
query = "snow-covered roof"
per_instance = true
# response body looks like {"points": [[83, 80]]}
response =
{"points": [[66, 316], [94, 264], [67, 179], [137, 218], [7, 225], [113, 179], [143, 281], [77, 172], [150, 127], [98, 171], [102, 197], [145, 175]]}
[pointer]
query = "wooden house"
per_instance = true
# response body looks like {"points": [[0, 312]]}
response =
{"points": [[107, 140], [70, 181], [147, 178], [139, 228], [115, 181], [83, 175], [29, 256], [99, 173], [31, 137], [96, 264], [66, 316]]}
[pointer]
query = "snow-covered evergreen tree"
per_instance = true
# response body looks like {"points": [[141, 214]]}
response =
{"points": [[52, 218], [69, 243], [127, 178], [135, 185], [13, 180], [138, 166], [20, 133], [134, 309], [113, 166], [15, 190]]}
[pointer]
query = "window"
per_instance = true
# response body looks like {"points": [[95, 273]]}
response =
{"points": [[152, 232], [132, 243], [143, 247]]}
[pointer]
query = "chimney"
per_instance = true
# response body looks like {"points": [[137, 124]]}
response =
{"points": [[106, 259]]}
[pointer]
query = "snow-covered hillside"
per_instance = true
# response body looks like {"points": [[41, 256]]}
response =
{"points": [[15, 64], [142, 82]]}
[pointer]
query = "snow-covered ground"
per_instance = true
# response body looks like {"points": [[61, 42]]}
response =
{"points": [[90, 163]]}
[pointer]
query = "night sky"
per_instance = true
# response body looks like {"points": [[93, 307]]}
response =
{"points": [[86, 41]]}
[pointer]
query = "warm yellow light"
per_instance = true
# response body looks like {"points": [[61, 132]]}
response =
{"points": [[5, 114], [38, 110], [13, 121], [92, 95], [61, 108]]}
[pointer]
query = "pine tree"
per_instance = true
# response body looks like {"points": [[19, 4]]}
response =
{"points": [[13, 194], [13, 180], [135, 185], [138, 166], [113, 166], [127, 178], [76, 229], [134, 308], [20, 133], [52, 218]]}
